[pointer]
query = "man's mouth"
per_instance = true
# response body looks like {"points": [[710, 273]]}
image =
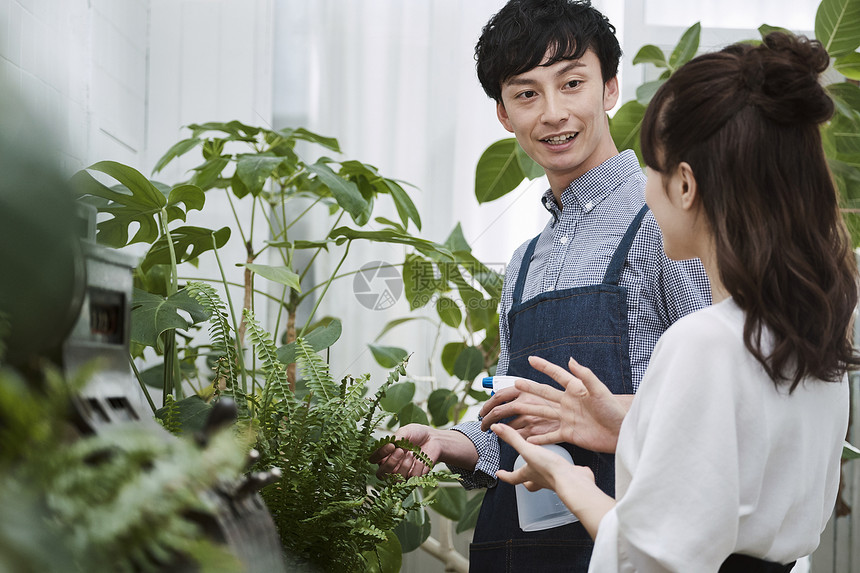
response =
{"points": [[559, 139]]}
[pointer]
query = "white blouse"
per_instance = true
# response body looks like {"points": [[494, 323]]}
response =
{"points": [[712, 459]]}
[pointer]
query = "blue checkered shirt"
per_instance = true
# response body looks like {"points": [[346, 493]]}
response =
{"points": [[574, 250]]}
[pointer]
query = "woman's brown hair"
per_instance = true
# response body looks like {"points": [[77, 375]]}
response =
{"points": [[746, 119]]}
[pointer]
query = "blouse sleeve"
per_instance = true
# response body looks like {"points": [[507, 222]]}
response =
{"points": [[680, 443]]}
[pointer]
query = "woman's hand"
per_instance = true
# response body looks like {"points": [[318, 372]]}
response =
{"points": [[545, 469], [587, 413]]}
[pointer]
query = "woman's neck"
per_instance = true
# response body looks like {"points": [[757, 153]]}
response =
{"points": [[709, 261]]}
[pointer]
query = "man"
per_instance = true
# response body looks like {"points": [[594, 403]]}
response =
{"points": [[595, 284]]}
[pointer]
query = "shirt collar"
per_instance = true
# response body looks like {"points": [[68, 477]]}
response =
{"points": [[592, 187]]}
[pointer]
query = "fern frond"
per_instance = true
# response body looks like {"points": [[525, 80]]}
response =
{"points": [[219, 330], [171, 418], [276, 384], [404, 444], [316, 371]]}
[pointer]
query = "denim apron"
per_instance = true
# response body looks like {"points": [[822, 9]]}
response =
{"points": [[589, 324]]}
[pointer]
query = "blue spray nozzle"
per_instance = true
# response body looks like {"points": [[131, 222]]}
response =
{"points": [[487, 382]]}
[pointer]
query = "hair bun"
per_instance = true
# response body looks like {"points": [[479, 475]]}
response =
{"points": [[782, 77]]}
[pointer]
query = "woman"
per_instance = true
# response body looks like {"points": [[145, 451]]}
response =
{"points": [[728, 459]]}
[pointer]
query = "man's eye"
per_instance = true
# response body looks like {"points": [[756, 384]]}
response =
{"points": [[573, 83], [528, 94]]}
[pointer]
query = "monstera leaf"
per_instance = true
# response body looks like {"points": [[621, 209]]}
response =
{"points": [[135, 200], [188, 244], [152, 315]]}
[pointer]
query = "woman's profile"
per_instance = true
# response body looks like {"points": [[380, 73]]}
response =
{"points": [[729, 456]]}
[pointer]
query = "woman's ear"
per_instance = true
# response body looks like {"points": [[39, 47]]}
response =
{"points": [[688, 187]]}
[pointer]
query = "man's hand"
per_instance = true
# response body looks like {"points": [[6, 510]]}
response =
{"points": [[448, 446], [533, 413], [587, 413]]}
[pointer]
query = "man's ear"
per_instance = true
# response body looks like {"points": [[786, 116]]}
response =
{"points": [[688, 186], [610, 94], [502, 114]]}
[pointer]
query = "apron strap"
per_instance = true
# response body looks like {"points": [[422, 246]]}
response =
{"points": [[524, 271], [613, 272]]}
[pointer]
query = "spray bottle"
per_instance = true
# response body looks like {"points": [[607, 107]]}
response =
{"points": [[542, 509]]}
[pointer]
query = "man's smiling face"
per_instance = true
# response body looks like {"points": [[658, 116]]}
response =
{"points": [[558, 115]]}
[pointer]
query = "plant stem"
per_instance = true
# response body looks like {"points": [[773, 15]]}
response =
{"points": [[313, 258], [327, 284], [344, 275], [172, 375], [240, 285], [235, 217], [142, 385]]}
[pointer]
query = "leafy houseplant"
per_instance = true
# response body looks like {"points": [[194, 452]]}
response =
{"points": [[330, 512], [99, 502], [319, 433]]}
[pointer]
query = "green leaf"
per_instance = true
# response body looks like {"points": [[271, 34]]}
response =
{"points": [[848, 65], [469, 364], [450, 502], [651, 54], [837, 26], [412, 414], [189, 195], [386, 557], [846, 96], [175, 151], [318, 339], [411, 533], [152, 315], [305, 135], [625, 126], [345, 192], [450, 353], [391, 236], [137, 201], [456, 241], [498, 171], [236, 129], [470, 512], [687, 47], [646, 91], [529, 166], [849, 452], [238, 186], [207, 174], [398, 321], [154, 375], [845, 132], [419, 281], [188, 244], [405, 207], [766, 29], [439, 404], [449, 312], [193, 412], [280, 275], [397, 397], [255, 169], [388, 356]]}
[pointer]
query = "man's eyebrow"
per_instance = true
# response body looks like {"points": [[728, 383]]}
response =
{"points": [[571, 64], [521, 81]]}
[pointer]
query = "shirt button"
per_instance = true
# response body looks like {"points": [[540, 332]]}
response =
{"points": [[563, 240], [589, 206]]}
